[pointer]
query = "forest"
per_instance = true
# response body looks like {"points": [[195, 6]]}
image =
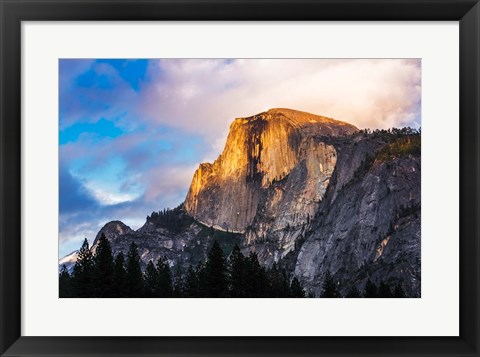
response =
{"points": [[101, 275]]}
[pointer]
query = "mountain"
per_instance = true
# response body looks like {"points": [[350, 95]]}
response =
{"points": [[309, 193], [260, 150], [69, 261], [171, 234]]}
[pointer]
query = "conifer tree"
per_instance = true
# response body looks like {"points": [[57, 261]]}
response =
{"points": [[398, 292], [201, 273], [178, 281], [65, 283], [371, 290], [83, 272], [296, 290], [119, 276], [103, 269], [275, 282], [384, 291], [257, 280], [353, 292], [151, 280], [329, 287], [216, 273], [164, 286], [134, 278], [237, 273], [192, 288]]}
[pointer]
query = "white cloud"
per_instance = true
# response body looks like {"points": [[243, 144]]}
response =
{"points": [[108, 196], [204, 96], [167, 183]]}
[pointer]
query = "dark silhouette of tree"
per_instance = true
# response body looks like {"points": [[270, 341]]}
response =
{"points": [[257, 283], [329, 287], [296, 290], [216, 273], [134, 278], [119, 277], [103, 269], [278, 283], [192, 285], [398, 292], [353, 292], [83, 272], [371, 290], [238, 274], [175, 220], [65, 283], [384, 291], [165, 286], [201, 272], [151, 280], [100, 275], [178, 282]]}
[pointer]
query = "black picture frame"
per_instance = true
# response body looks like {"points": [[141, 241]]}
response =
{"points": [[467, 12]]}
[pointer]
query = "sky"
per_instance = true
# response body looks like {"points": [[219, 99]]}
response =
{"points": [[133, 131]]}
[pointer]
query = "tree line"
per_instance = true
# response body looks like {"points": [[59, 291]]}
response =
{"points": [[175, 220], [101, 275], [330, 290]]}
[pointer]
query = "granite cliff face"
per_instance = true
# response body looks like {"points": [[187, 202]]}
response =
{"points": [[368, 224], [261, 150]]}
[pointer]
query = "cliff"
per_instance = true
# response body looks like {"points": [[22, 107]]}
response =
{"points": [[261, 150]]}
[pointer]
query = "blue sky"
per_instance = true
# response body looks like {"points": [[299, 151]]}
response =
{"points": [[133, 131]]}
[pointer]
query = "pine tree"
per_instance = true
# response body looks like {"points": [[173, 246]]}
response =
{"points": [[399, 293], [103, 269], [353, 292], [371, 290], [296, 290], [329, 287], [192, 288], [65, 283], [276, 283], [237, 273], [257, 284], [286, 286], [201, 273], [151, 280], [164, 286], [134, 278], [119, 277], [216, 273], [83, 272], [178, 282], [384, 291]]}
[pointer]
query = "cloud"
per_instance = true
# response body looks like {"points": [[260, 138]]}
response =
{"points": [[204, 96], [168, 182], [92, 92], [73, 194]]}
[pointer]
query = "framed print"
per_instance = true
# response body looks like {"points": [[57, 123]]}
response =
{"points": [[239, 178]]}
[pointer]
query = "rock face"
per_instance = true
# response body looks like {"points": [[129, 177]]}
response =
{"points": [[112, 231], [186, 245], [368, 225], [260, 151]]}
